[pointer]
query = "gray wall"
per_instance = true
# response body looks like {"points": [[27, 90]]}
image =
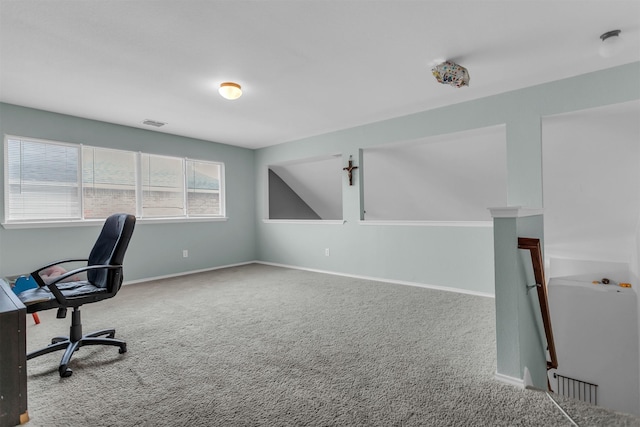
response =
{"points": [[520, 337], [454, 256], [156, 249]]}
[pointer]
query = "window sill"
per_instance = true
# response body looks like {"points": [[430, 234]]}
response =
{"points": [[304, 221], [99, 222]]}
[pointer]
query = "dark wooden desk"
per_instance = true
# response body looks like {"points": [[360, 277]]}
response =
{"points": [[13, 358]]}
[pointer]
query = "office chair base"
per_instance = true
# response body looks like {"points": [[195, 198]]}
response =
{"points": [[76, 340], [70, 347]]}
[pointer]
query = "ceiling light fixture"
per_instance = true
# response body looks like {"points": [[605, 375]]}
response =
{"points": [[450, 73], [230, 90], [610, 43]]}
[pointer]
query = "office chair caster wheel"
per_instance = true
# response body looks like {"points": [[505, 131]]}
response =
{"points": [[65, 372], [122, 349]]}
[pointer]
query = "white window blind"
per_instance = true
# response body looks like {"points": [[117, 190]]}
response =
{"points": [[162, 186], [108, 182], [203, 188], [42, 181], [54, 181]]}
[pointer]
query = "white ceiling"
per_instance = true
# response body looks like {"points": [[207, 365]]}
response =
{"points": [[306, 66]]}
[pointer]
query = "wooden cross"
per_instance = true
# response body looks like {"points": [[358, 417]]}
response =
{"points": [[350, 170]]}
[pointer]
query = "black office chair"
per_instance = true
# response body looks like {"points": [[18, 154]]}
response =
{"points": [[103, 280]]}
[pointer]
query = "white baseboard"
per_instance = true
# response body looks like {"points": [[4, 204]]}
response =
{"points": [[185, 273], [355, 276], [382, 279], [509, 380]]}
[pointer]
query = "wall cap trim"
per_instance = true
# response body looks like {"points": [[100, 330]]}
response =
{"points": [[305, 221], [428, 223], [514, 212]]}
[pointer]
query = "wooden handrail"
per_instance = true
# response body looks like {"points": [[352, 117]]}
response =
{"points": [[533, 245]]}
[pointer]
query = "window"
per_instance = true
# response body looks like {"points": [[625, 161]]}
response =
{"points": [[52, 181], [108, 182], [203, 188], [41, 177], [162, 186]]}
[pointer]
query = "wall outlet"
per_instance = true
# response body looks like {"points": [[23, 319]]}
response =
{"points": [[326, 251], [185, 253]]}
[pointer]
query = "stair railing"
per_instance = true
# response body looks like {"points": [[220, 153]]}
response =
{"points": [[533, 246]]}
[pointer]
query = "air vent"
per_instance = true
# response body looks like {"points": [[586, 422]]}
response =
{"points": [[153, 123]]}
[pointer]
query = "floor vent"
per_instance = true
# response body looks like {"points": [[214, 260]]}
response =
{"points": [[576, 389]]}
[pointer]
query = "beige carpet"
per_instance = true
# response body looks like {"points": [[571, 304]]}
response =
{"points": [[264, 346]]}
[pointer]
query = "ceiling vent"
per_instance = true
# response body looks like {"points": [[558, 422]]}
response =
{"points": [[153, 123]]}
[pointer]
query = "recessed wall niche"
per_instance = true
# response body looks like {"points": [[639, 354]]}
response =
{"points": [[591, 184], [452, 177], [306, 189]]}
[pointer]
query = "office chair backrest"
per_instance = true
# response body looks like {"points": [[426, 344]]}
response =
{"points": [[110, 248]]}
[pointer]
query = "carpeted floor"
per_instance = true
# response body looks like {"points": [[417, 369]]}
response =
{"points": [[259, 345]]}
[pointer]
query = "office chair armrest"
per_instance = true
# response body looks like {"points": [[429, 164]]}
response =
{"points": [[62, 261], [36, 273], [82, 270], [52, 285]]}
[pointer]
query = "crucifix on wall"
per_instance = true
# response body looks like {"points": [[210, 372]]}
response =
{"points": [[350, 170]]}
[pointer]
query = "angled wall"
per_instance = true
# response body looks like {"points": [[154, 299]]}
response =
{"points": [[284, 203]]}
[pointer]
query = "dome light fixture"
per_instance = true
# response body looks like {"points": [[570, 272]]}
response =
{"points": [[230, 90], [610, 43]]}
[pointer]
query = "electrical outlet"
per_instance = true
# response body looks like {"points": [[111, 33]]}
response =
{"points": [[185, 253], [326, 251]]}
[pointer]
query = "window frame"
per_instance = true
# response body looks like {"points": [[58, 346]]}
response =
{"points": [[82, 221]]}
